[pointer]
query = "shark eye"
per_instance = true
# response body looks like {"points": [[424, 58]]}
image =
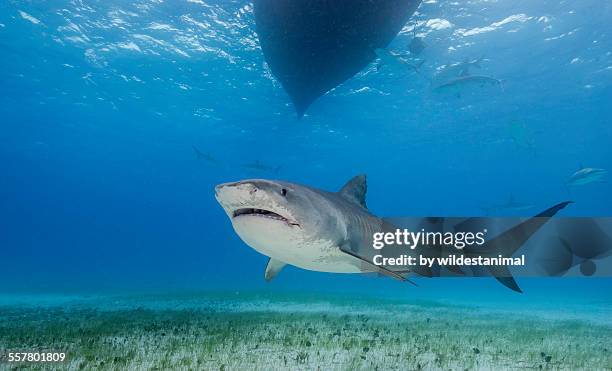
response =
{"points": [[283, 192]]}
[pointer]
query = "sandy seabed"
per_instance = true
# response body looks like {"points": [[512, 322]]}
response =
{"points": [[266, 332]]}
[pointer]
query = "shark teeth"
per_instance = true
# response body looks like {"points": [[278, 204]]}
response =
{"points": [[260, 213]]}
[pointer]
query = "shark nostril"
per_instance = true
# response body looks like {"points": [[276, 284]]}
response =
{"points": [[253, 191]]}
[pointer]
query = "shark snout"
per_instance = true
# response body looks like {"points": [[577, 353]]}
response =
{"points": [[250, 186], [236, 194], [235, 187], [220, 188]]}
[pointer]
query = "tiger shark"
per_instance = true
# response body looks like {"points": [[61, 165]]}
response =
{"points": [[325, 231]]}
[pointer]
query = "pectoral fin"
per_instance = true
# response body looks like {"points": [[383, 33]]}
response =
{"points": [[376, 268], [274, 266]]}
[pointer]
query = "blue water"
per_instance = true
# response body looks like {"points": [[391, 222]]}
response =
{"points": [[100, 104]]}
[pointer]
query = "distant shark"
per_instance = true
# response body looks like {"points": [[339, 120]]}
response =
{"points": [[464, 67], [203, 156], [586, 175], [321, 231], [468, 81], [458, 69], [259, 166], [510, 205], [395, 60]]}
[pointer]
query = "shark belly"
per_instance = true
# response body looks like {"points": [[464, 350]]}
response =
{"points": [[278, 241]]}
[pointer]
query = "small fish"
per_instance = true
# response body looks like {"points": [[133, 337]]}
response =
{"points": [[259, 166], [587, 175], [203, 156]]}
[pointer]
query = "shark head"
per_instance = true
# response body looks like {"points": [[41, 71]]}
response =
{"points": [[278, 219]]}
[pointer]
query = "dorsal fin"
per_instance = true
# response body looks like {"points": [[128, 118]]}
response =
{"points": [[355, 190]]}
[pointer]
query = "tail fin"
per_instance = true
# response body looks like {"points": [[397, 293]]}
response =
{"points": [[377, 268], [507, 243]]}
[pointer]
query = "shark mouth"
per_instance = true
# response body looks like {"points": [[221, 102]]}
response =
{"points": [[262, 214]]}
